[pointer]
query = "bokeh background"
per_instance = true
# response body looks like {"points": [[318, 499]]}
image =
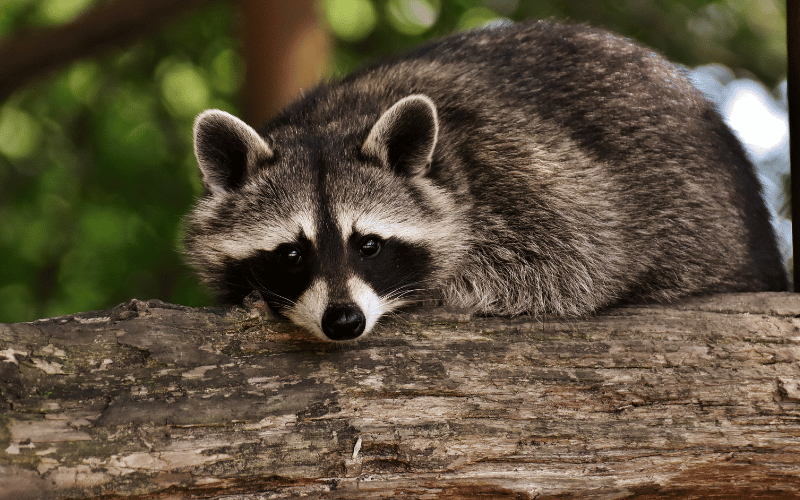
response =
{"points": [[96, 162]]}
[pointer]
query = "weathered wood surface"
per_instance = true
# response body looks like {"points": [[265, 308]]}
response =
{"points": [[699, 399]]}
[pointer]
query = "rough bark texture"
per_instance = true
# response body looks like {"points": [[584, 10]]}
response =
{"points": [[699, 399]]}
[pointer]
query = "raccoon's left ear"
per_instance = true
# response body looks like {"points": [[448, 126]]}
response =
{"points": [[227, 150], [405, 136]]}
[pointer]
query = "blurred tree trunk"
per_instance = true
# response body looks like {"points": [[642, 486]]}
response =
{"points": [[285, 52], [285, 49]]}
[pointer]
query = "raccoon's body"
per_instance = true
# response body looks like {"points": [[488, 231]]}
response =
{"points": [[535, 168]]}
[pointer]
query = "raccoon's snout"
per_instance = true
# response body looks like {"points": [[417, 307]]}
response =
{"points": [[343, 322]]}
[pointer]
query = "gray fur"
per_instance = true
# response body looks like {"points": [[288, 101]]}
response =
{"points": [[545, 168]]}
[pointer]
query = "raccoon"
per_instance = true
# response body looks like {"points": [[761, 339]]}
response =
{"points": [[536, 168]]}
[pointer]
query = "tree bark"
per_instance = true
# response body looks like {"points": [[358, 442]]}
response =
{"points": [[698, 399]]}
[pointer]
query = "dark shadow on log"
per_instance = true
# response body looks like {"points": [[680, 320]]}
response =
{"points": [[698, 399]]}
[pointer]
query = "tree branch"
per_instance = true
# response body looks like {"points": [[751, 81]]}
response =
{"points": [[27, 55], [699, 399]]}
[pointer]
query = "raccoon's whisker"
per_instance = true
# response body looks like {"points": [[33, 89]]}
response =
{"points": [[261, 288], [397, 295], [402, 287], [236, 285], [279, 298], [400, 295], [249, 287], [396, 317]]}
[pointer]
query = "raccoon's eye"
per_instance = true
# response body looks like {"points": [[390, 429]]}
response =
{"points": [[370, 247], [290, 256]]}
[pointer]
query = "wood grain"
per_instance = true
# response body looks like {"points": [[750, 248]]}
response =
{"points": [[698, 399]]}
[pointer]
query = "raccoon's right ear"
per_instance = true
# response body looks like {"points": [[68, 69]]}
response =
{"points": [[405, 136], [227, 149]]}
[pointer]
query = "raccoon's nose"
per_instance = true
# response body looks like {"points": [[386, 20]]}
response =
{"points": [[343, 322]]}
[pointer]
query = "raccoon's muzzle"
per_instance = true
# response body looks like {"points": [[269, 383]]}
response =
{"points": [[343, 322]]}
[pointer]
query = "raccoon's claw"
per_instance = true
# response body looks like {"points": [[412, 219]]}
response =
{"points": [[343, 322]]}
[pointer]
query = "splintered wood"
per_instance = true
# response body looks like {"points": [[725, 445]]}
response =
{"points": [[697, 399]]}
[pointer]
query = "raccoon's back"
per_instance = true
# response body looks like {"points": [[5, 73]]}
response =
{"points": [[593, 171]]}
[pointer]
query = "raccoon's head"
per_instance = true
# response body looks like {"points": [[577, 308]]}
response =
{"points": [[334, 225]]}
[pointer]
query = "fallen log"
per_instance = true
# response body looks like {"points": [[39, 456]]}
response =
{"points": [[697, 399]]}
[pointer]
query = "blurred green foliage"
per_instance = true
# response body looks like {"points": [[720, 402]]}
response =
{"points": [[741, 34], [96, 163], [97, 168]]}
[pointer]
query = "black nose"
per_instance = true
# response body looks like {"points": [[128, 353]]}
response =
{"points": [[343, 322]]}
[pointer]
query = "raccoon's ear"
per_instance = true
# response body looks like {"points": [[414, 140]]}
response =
{"points": [[227, 149], [404, 137]]}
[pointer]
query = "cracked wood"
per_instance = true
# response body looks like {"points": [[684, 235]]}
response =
{"points": [[150, 400]]}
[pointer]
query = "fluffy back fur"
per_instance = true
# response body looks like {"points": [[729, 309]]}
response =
{"points": [[536, 168]]}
